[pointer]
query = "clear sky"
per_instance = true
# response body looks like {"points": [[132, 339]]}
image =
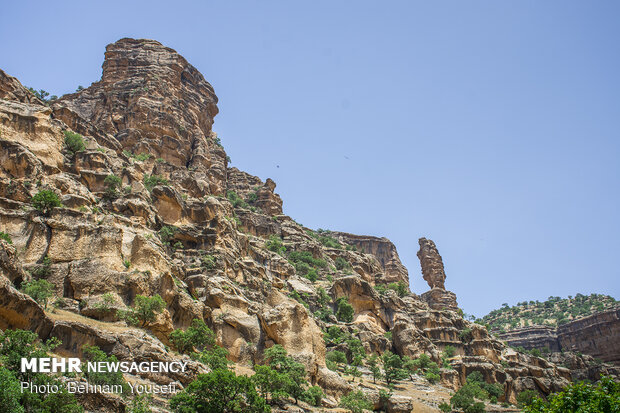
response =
{"points": [[490, 127]]}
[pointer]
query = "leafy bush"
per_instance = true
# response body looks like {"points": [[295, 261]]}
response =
{"points": [[39, 290], [112, 184], [306, 257], [356, 401], [166, 233], [274, 243], [42, 270], [236, 200], [74, 142], [526, 397], [341, 263], [197, 337], [330, 242], [220, 391], [6, 237], [94, 353], [18, 344], [445, 407], [465, 334], [208, 261], [313, 396], [400, 287], [151, 181], [336, 356], [144, 311], [290, 374], [603, 396], [45, 200], [345, 310]]}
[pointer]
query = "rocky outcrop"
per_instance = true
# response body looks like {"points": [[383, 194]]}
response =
{"points": [[596, 335], [255, 276], [154, 102], [383, 250], [432, 264], [433, 272]]}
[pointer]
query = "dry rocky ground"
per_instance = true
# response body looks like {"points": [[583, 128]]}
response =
{"points": [[212, 241]]}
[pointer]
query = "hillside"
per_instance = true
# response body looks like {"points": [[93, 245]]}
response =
{"points": [[127, 234], [553, 312]]}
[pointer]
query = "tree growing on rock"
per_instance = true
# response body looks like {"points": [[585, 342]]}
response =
{"points": [[39, 290], [220, 391], [144, 311], [45, 200], [345, 310]]}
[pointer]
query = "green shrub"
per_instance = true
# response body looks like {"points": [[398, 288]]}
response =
{"points": [[356, 402], [151, 181], [94, 354], [603, 396], [166, 233], [45, 200], [74, 142], [445, 407], [345, 310], [307, 258], [330, 242], [144, 311], [6, 237], [208, 262], [400, 287], [236, 200], [274, 244], [313, 396], [112, 184], [465, 334], [196, 338], [526, 397], [140, 404], [42, 270], [39, 290], [341, 263], [220, 391], [337, 357], [18, 344], [431, 377]]}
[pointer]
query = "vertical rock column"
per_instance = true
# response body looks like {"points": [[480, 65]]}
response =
{"points": [[438, 298]]}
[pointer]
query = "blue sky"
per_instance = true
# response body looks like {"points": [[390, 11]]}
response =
{"points": [[490, 127]]}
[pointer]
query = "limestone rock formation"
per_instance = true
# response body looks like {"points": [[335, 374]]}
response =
{"points": [[432, 264], [173, 227], [433, 272], [597, 335], [383, 250]]}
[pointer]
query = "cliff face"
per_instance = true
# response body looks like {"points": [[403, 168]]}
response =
{"points": [[597, 335], [254, 275]]}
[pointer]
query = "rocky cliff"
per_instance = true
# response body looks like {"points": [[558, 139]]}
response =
{"points": [[211, 240], [597, 335]]}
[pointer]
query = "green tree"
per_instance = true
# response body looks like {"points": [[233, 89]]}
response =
{"points": [[295, 372], [45, 200], [215, 358], [112, 184], [18, 344], [6, 237], [39, 290], [345, 310], [313, 395], [581, 397], [151, 181], [374, 368], [74, 142], [197, 337], [392, 367], [356, 401], [140, 404], [144, 311], [95, 354], [220, 391]]}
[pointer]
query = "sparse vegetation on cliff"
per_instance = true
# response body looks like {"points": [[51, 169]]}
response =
{"points": [[553, 312]]}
